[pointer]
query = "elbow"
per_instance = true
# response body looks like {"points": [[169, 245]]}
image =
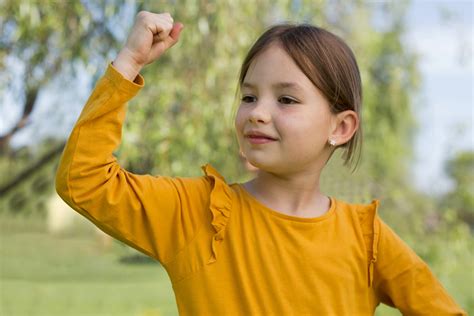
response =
{"points": [[61, 184]]}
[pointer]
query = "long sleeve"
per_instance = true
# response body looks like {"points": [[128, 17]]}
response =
{"points": [[156, 215], [403, 280]]}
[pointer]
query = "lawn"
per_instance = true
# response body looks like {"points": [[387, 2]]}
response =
{"points": [[72, 274]]}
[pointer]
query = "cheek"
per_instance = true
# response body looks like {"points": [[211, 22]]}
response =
{"points": [[304, 128], [291, 126], [239, 121]]}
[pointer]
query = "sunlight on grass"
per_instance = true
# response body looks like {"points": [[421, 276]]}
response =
{"points": [[42, 274]]}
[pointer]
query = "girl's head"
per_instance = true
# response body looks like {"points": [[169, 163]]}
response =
{"points": [[301, 87]]}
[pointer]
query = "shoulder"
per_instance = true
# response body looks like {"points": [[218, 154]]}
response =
{"points": [[199, 195], [364, 218], [364, 214], [210, 183], [218, 186]]}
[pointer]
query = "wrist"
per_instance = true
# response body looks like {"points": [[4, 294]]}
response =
{"points": [[126, 65]]}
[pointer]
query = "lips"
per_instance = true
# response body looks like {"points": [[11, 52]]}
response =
{"points": [[257, 137]]}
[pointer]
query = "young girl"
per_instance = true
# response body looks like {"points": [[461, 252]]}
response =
{"points": [[275, 245]]}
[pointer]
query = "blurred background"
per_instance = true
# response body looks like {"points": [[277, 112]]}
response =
{"points": [[418, 156]]}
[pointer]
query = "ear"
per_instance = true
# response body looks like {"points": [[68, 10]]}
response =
{"points": [[345, 124]]}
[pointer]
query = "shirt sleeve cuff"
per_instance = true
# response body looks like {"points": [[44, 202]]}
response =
{"points": [[122, 83]]}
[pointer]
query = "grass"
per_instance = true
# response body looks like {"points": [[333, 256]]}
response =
{"points": [[44, 274]]}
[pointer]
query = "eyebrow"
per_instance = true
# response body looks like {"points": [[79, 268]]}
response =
{"points": [[292, 85]]}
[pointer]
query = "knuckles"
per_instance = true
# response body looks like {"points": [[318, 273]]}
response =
{"points": [[146, 15], [160, 24], [142, 15]]}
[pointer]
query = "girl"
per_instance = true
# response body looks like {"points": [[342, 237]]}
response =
{"points": [[275, 245]]}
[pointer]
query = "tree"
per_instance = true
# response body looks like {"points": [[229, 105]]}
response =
{"points": [[461, 198], [40, 42]]}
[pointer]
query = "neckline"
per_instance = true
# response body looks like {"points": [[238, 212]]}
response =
{"points": [[273, 212]]}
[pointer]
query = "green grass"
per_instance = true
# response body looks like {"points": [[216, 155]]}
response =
{"points": [[43, 274]]}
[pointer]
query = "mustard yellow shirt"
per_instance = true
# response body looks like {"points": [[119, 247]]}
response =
{"points": [[224, 251]]}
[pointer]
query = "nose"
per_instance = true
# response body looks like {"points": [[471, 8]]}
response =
{"points": [[260, 113]]}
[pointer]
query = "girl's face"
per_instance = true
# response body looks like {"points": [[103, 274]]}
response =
{"points": [[283, 122]]}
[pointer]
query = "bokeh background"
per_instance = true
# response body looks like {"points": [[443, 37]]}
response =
{"points": [[418, 156]]}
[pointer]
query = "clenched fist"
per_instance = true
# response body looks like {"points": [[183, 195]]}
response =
{"points": [[151, 35]]}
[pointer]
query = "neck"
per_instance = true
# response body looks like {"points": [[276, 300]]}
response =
{"points": [[296, 194]]}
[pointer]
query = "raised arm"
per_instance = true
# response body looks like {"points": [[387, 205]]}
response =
{"points": [[156, 215]]}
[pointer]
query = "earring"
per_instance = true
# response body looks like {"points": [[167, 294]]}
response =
{"points": [[332, 142]]}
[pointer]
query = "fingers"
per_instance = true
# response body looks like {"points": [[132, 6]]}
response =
{"points": [[174, 34], [159, 24], [152, 35], [172, 37], [167, 23]]}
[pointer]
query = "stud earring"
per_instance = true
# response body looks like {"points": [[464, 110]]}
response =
{"points": [[332, 142]]}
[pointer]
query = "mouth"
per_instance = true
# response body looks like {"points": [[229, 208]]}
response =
{"points": [[256, 137]]}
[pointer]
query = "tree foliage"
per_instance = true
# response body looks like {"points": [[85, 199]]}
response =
{"points": [[461, 197], [43, 41], [40, 40]]}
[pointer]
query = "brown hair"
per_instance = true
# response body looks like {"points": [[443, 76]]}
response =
{"points": [[330, 65]]}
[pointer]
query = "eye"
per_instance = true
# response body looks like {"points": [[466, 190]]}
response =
{"points": [[248, 98], [287, 100]]}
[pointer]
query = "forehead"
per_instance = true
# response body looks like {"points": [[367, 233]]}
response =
{"points": [[273, 66]]}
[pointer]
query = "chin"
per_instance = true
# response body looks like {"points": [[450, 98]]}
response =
{"points": [[267, 166], [264, 161]]}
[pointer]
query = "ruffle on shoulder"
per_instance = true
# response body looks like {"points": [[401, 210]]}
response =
{"points": [[220, 206], [371, 231]]}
